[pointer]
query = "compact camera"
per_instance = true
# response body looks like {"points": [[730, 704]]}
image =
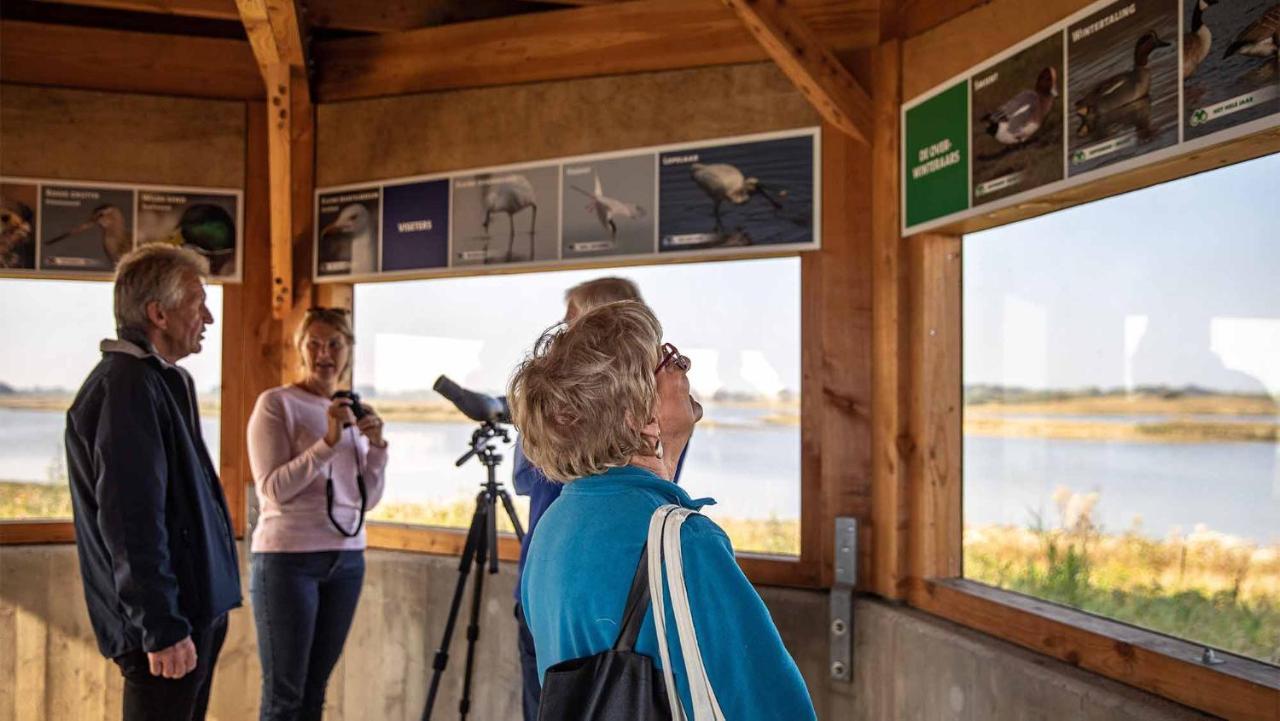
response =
{"points": [[356, 406]]}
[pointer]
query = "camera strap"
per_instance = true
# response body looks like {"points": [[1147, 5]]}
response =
{"points": [[364, 498]]}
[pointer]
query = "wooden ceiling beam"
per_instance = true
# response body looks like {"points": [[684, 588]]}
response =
{"points": [[626, 37], [129, 62], [812, 68], [210, 9]]}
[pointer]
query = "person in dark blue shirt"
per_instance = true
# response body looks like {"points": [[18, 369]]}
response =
{"points": [[529, 481]]}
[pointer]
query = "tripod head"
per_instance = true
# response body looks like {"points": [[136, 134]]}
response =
{"points": [[482, 448]]}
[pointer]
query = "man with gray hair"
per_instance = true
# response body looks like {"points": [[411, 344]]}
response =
{"points": [[157, 552]]}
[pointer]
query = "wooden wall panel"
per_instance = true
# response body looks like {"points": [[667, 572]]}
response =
{"points": [[418, 134], [934, 56], [88, 135]]}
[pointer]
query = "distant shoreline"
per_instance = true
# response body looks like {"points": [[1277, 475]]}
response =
{"points": [[1169, 418]]}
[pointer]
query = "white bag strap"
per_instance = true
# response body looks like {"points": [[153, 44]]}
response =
{"points": [[657, 601], [705, 705]]}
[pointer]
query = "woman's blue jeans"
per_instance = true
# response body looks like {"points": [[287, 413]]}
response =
{"points": [[303, 604]]}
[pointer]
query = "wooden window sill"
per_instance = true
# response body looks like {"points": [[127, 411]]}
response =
{"points": [[760, 569], [1239, 688]]}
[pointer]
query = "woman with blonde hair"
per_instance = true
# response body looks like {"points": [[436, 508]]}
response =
{"points": [[603, 407], [318, 460]]}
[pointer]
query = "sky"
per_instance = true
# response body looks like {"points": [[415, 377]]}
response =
{"points": [[739, 321], [1178, 284]]}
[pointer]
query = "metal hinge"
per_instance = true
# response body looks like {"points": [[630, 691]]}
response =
{"points": [[846, 576]]}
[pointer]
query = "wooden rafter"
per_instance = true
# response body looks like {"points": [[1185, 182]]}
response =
{"points": [[810, 65], [627, 37], [121, 61]]}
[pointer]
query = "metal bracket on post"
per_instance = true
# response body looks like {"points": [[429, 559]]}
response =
{"points": [[841, 628]]}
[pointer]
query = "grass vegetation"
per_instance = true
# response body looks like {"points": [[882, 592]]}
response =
{"points": [[1204, 586]]}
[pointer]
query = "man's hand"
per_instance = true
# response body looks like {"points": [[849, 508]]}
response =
{"points": [[174, 662]]}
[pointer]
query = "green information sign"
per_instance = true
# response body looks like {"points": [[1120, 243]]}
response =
{"points": [[937, 155]]}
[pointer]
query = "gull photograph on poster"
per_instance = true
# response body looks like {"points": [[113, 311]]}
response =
{"points": [[1123, 90], [348, 232], [18, 203], [84, 228], [736, 195], [608, 207], [1017, 122], [506, 216], [1230, 63], [201, 221]]}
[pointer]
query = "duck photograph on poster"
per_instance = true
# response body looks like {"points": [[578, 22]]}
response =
{"points": [[202, 221], [741, 194], [608, 207], [506, 216], [1122, 94], [84, 228], [347, 235], [1017, 122], [415, 225], [1230, 63], [18, 203]]}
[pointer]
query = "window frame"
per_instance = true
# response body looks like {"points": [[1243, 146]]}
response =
{"points": [[1238, 688], [801, 571], [231, 442]]}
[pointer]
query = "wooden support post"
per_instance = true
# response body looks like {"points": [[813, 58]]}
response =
{"points": [[810, 65], [890, 445], [837, 383], [935, 406], [279, 45]]}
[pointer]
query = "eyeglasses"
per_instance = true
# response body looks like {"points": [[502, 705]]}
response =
{"points": [[671, 356]]}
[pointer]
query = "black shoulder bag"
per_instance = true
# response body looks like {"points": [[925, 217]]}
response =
{"points": [[614, 685]]}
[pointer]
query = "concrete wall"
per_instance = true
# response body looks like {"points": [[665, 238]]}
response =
{"points": [[907, 665]]}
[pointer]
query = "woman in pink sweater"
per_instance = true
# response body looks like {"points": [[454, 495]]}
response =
{"points": [[317, 468]]}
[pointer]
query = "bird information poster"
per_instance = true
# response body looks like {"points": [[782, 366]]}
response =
{"points": [[1017, 122], [18, 204], [81, 229], [1230, 63], [608, 207], [84, 228], [1123, 93], [736, 195], [1116, 86], [347, 234], [417, 225], [936, 142], [203, 221], [730, 196], [506, 216]]}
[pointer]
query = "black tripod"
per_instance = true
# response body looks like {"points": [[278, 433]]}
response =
{"points": [[481, 545]]}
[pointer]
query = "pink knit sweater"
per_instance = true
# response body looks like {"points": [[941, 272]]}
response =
{"points": [[290, 462]]}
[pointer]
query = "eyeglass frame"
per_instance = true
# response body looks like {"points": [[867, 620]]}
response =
{"points": [[671, 355]]}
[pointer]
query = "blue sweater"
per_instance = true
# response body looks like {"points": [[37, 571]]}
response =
{"points": [[579, 568], [529, 480]]}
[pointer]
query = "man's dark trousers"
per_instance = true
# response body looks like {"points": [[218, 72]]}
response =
{"points": [[156, 698]]}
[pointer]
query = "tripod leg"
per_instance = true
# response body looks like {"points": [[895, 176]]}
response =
{"points": [[475, 538], [492, 531], [477, 591], [511, 513]]}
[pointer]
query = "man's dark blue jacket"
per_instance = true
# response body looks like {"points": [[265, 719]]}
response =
{"points": [[157, 554]]}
